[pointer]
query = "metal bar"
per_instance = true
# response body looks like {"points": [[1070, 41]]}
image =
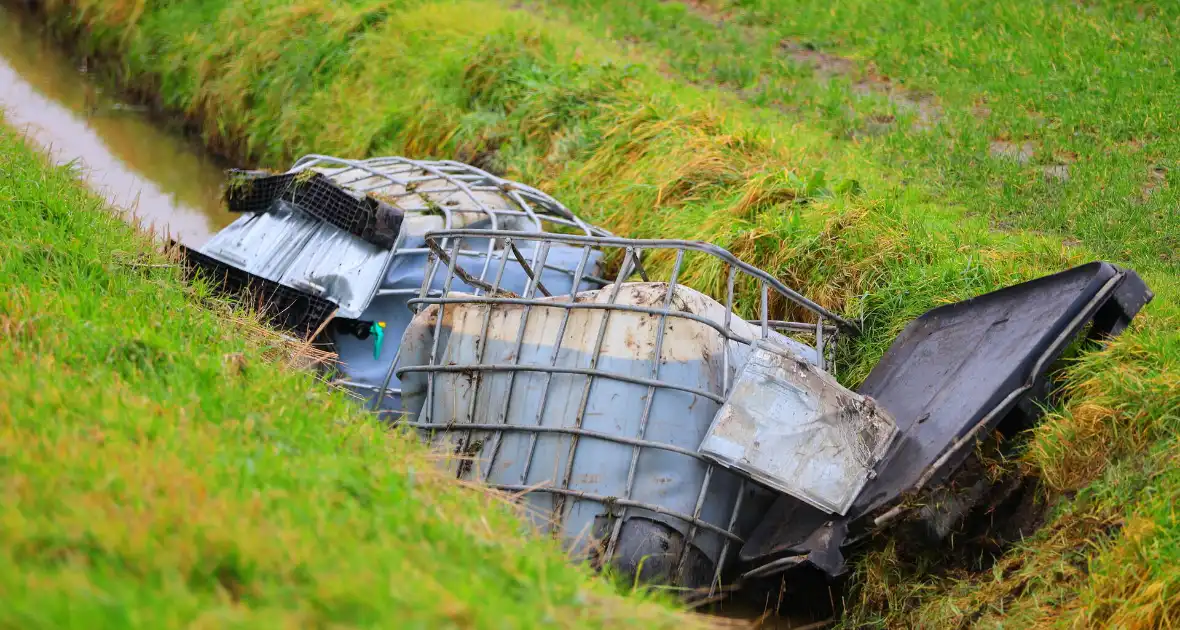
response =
{"points": [[657, 361], [385, 385], [346, 383], [733, 516], [423, 291], [478, 254], [481, 345], [765, 311], [799, 326], [530, 290], [682, 563], [639, 267], [527, 269], [832, 348], [520, 201], [889, 515], [528, 460], [819, 343], [564, 492], [471, 281], [771, 567], [728, 330], [586, 433], [438, 320], [589, 306], [559, 504], [405, 291], [709, 248], [548, 218]]}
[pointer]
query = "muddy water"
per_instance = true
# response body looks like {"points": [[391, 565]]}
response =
{"points": [[166, 180]]}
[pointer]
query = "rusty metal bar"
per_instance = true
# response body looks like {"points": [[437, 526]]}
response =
{"points": [[566, 492], [624, 271], [657, 361], [552, 362], [529, 270], [639, 244]]}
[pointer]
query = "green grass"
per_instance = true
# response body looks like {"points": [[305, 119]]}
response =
{"points": [[162, 466], [868, 154]]}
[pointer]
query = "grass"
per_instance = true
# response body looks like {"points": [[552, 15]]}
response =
{"points": [[159, 468], [882, 157]]}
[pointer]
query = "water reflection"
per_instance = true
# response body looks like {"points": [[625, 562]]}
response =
{"points": [[166, 179]]}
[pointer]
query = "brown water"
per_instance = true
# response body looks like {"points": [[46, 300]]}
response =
{"points": [[167, 180]]}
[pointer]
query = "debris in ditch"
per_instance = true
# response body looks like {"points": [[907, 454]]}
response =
{"points": [[954, 375], [362, 215], [652, 427], [795, 429], [283, 306]]}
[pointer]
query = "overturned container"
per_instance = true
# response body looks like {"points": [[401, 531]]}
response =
{"points": [[593, 404], [643, 411], [335, 248], [537, 348]]}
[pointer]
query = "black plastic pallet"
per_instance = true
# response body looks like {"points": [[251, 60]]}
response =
{"points": [[283, 307], [368, 218]]}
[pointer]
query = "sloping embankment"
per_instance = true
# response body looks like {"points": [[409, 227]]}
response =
{"points": [[611, 134], [161, 469]]}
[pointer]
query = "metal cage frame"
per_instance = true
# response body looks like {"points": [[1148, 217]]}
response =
{"points": [[447, 188], [445, 248]]}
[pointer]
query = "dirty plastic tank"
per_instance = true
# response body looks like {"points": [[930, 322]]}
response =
{"points": [[575, 481]]}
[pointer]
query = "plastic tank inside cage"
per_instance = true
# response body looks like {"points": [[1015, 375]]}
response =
{"points": [[592, 398], [535, 347], [434, 195]]}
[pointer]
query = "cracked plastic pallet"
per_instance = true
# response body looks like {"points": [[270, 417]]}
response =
{"points": [[253, 192]]}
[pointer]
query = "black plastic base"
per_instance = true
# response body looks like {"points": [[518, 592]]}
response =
{"points": [[955, 373], [283, 307]]}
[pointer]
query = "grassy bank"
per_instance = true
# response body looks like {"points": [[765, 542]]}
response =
{"points": [[881, 158], [159, 468]]}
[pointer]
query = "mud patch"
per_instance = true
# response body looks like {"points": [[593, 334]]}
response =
{"points": [[825, 64], [876, 125], [1021, 153], [1157, 178], [866, 81], [925, 109], [1056, 172], [706, 10]]}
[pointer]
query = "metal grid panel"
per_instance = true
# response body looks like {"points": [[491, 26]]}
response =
{"points": [[446, 249], [446, 188], [445, 195]]}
